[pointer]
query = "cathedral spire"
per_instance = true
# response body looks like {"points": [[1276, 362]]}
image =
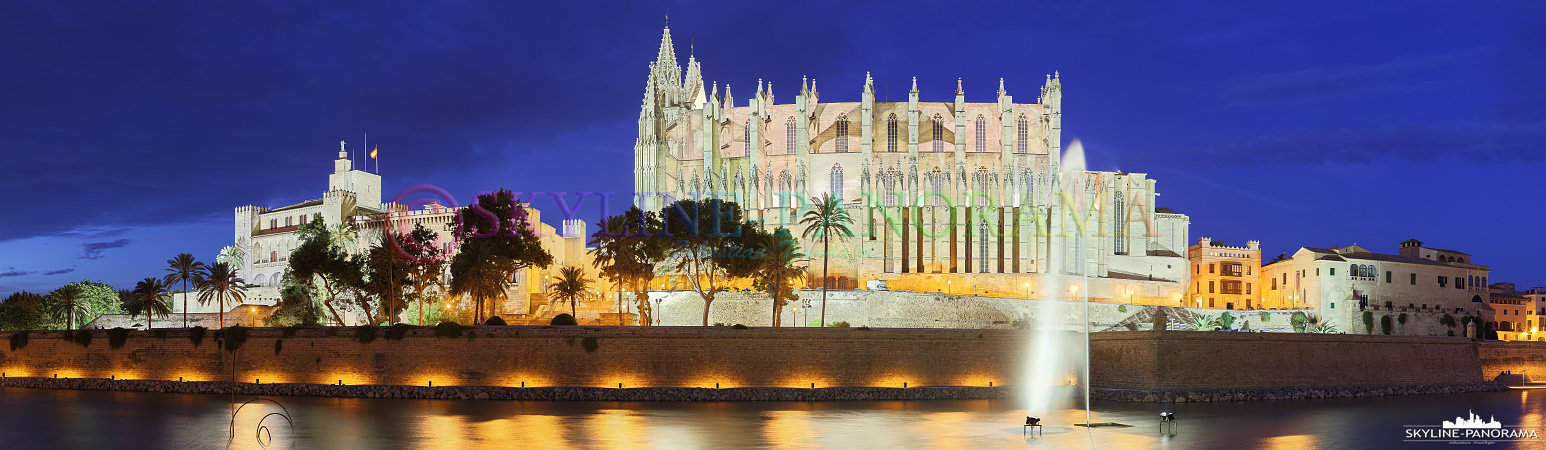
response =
{"points": [[667, 55], [915, 85]]}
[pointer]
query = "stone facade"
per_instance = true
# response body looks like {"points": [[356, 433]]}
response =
{"points": [[961, 188], [1224, 276]]}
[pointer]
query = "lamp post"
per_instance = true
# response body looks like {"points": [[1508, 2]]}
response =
{"points": [[1027, 291], [947, 287]]}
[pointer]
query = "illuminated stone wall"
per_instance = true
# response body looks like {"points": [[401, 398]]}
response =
{"points": [[1196, 360], [570, 356], [1517, 357]]}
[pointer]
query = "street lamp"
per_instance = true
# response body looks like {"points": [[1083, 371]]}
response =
{"points": [[947, 287], [1027, 291]]}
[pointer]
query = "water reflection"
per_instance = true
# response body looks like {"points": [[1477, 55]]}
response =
{"points": [[35, 418]]}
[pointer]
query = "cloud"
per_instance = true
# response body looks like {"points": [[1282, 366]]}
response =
{"points": [[59, 272], [93, 250], [1342, 82], [14, 273], [1374, 143]]}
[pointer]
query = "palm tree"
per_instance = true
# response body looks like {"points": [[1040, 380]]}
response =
{"points": [[218, 282], [184, 269], [68, 304], [778, 271], [151, 300], [571, 286], [825, 218], [231, 255]]}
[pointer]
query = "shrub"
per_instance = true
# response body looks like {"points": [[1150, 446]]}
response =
{"points": [[234, 337], [117, 336], [365, 333], [719, 324], [496, 320], [196, 334], [1226, 320], [1204, 323], [563, 319], [1385, 324], [1299, 320], [862, 328], [279, 344], [1401, 319], [18, 340], [591, 344], [1451, 332], [1448, 321], [448, 330], [1246, 326], [738, 327], [1131, 326], [1122, 308], [397, 331], [1368, 322], [839, 324], [1265, 317]]}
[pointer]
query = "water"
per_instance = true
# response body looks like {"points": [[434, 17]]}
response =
{"points": [[41, 418], [1055, 356]]}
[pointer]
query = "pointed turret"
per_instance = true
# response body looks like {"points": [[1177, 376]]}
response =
{"points": [[729, 101]]}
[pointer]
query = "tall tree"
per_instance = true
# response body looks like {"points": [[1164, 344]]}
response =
{"points": [[220, 282], [626, 251], [150, 298], [427, 263], [20, 311], [67, 303], [497, 241], [571, 286], [386, 278], [825, 219], [781, 267], [320, 258], [705, 232], [183, 269], [231, 255]]}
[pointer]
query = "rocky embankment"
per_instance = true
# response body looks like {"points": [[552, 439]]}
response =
{"points": [[666, 394], [1229, 395]]}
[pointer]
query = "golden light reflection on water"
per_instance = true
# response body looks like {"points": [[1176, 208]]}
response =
{"points": [[444, 432], [1295, 442], [788, 429], [617, 429]]}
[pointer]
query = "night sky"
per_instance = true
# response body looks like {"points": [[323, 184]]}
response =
{"points": [[130, 130]]}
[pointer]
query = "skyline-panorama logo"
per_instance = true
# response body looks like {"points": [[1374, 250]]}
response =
{"points": [[1470, 429]]}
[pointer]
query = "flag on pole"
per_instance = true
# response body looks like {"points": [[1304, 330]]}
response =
{"points": [[373, 152]]}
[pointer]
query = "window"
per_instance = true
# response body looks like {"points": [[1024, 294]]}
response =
{"points": [[273, 223], [842, 133], [789, 135], [783, 189], [1210, 268], [1387, 276], [1459, 283], [1022, 143], [939, 133], [1247, 270], [287, 221], [1274, 283], [1230, 269], [1196, 268], [1231, 287], [982, 134], [746, 142], [982, 247], [891, 133], [837, 182], [1443, 280], [1414, 279], [1353, 271], [1210, 287], [1333, 271], [1248, 291], [303, 219], [273, 256]]}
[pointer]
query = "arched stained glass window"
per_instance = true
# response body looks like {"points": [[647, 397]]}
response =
{"points": [[1023, 134], [842, 133], [789, 135], [891, 133], [982, 134], [938, 132], [837, 182]]}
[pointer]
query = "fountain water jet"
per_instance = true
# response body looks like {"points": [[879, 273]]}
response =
{"points": [[1052, 360]]}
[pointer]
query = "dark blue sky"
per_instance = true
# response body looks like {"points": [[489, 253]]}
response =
{"points": [[130, 130]]}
